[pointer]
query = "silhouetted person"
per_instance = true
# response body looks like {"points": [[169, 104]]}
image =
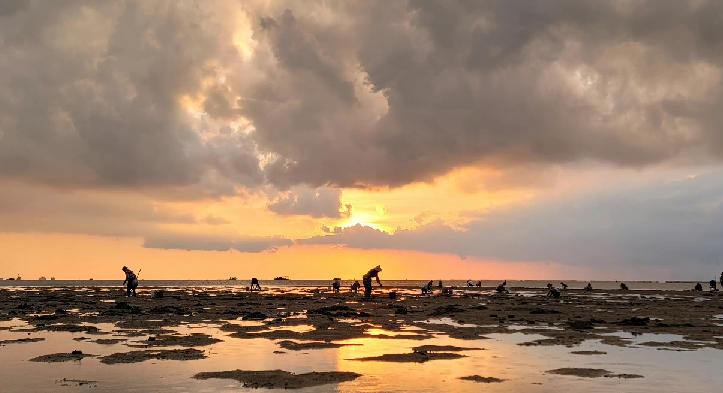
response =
{"points": [[698, 287], [470, 283], [721, 280], [255, 284], [563, 285], [713, 285], [336, 285], [588, 287], [131, 281], [440, 282], [623, 287], [427, 288], [355, 287], [367, 280], [502, 287], [479, 284], [552, 291]]}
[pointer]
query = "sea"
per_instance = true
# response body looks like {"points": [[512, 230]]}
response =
{"points": [[531, 284]]}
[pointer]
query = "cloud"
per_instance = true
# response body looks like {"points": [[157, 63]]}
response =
{"points": [[97, 95], [245, 244], [501, 84], [366, 93], [663, 224], [317, 203], [214, 220]]}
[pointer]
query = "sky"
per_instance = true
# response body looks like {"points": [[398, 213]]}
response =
{"points": [[316, 139]]}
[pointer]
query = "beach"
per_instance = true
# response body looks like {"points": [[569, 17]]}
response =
{"points": [[224, 338]]}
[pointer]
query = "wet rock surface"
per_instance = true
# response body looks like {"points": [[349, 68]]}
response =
{"points": [[142, 356], [414, 357], [591, 373], [61, 357], [278, 379], [574, 318], [21, 340], [477, 378]]}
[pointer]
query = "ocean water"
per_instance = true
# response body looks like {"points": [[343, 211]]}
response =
{"points": [[606, 285]]}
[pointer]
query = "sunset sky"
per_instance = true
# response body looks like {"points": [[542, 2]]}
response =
{"points": [[441, 139]]}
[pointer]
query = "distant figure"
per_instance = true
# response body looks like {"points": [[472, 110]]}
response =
{"points": [[623, 287], [563, 285], [713, 285], [255, 284], [721, 279], [336, 285], [588, 287], [470, 283], [479, 284], [367, 280], [427, 288], [355, 287], [447, 291], [131, 282], [552, 291], [440, 282], [698, 287], [502, 287]]}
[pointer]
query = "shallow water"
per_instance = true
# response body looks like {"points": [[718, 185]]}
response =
{"points": [[522, 367]]}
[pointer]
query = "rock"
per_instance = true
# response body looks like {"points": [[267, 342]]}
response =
{"points": [[278, 379], [477, 378]]}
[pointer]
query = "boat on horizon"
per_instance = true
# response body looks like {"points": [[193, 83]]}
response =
{"points": [[281, 278], [232, 279], [42, 279]]}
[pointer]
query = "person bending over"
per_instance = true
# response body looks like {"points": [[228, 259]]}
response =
{"points": [[502, 287], [367, 280], [427, 288], [131, 282], [255, 284]]}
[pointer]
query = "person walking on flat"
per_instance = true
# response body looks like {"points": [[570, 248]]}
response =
{"points": [[131, 281]]}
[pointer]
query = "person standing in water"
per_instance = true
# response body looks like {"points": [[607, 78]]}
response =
{"points": [[367, 280], [131, 281]]}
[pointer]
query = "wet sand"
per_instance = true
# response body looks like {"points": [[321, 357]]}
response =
{"points": [[302, 319]]}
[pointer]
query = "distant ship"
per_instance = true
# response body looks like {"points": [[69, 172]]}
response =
{"points": [[281, 278], [42, 279], [91, 279], [11, 279], [232, 278], [52, 278]]}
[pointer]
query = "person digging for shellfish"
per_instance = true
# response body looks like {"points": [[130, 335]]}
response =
{"points": [[367, 280], [355, 286], [131, 281], [502, 288]]}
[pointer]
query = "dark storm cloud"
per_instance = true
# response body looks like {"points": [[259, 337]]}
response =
{"points": [[91, 95], [496, 82], [322, 202], [353, 93], [669, 224]]}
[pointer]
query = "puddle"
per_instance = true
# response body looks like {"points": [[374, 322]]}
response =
{"points": [[447, 321]]}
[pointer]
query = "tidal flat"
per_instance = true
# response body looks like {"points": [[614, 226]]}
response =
{"points": [[219, 339]]}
